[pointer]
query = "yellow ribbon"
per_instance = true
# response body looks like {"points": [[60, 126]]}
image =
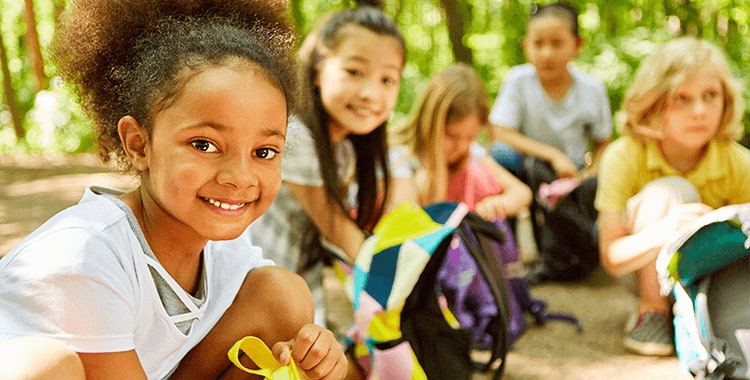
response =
{"points": [[261, 355]]}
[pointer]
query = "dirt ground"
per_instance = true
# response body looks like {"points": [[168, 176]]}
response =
{"points": [[34, 188]]}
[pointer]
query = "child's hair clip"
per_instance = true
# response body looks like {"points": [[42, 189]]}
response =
{"points": [[535, 9]]}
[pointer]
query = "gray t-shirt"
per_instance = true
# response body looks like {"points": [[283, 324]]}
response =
{"points": [[583, 114]]}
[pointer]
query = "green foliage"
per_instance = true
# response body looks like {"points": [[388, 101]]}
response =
{"points": [[52, 119], [55, 123], [619, 34]]}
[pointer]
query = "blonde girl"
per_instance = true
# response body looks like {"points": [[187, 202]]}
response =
{"points": [[435, 155], [677, 160]]}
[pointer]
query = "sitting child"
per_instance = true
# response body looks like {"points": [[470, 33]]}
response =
{"points": [[434, 155], [677, 160], [193, 96], [547, 118]]}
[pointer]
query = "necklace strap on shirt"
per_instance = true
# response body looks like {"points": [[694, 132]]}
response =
{"points": [[193, 310]]}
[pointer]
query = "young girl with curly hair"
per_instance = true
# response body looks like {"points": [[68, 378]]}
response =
{"points": [[677, 160], [193, 96]]}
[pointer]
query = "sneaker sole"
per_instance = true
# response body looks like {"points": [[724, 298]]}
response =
{"points": [[648, 348]]}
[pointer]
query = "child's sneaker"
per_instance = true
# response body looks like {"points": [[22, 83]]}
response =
{"points": [[651, 335]]}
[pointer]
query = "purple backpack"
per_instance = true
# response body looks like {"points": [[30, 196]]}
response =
{"points": [[475, 244]]}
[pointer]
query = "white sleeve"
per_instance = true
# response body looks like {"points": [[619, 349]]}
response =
{"points": [[603, 129], [400, 162], [507, 109], [72, 286], [477, 152]]}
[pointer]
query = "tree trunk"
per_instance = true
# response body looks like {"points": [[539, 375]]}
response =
{"points": [[34, 50], [455, 22], [10, 95]]}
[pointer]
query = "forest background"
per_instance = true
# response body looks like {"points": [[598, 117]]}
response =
{"points": [[38, 113]]}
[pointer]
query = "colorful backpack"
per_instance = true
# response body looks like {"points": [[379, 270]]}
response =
{"points": [[707, 269], [438, 293]]}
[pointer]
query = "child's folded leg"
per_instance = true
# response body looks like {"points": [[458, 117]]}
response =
{"points": [[272, 304]]}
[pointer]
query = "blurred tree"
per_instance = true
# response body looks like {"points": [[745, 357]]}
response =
{"points": [[33, 48], [454, 17], [484, 33], [10, 94]]}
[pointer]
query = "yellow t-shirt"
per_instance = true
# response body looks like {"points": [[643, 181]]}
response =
{"points": [[722, 177]]}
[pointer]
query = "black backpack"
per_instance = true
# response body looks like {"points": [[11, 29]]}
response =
{"points": [[567, 235]]}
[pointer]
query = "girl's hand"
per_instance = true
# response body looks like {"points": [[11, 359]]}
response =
{"points": [[492, 208], [316, 352], [563, 166]]}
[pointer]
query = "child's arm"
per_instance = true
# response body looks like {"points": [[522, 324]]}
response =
{"points": [[402, 190], [275, 305], [38, 357], [564, 167], [112, 365], [336, 226], [515, 197], [592, 169], [622, 251]]}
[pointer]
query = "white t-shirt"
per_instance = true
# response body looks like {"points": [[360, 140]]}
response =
{"points": [[84, 278], [568, 124]]}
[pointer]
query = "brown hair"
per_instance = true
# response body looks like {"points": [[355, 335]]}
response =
{"points": [[133, 57]]}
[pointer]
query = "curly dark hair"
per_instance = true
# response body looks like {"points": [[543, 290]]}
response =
{"points": [[132, 57]]}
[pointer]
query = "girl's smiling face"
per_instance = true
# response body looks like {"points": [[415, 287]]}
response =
{"points": [[359, 81], [212, 163], [694, 112]]}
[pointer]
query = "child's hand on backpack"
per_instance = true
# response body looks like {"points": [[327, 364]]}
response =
{"points": [[316, 352], [564, 167], [493, 208]]}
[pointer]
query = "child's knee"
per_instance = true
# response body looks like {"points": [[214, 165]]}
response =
{"points": [[656, 199], [672, 188], [279, 292], [507, 157]]}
